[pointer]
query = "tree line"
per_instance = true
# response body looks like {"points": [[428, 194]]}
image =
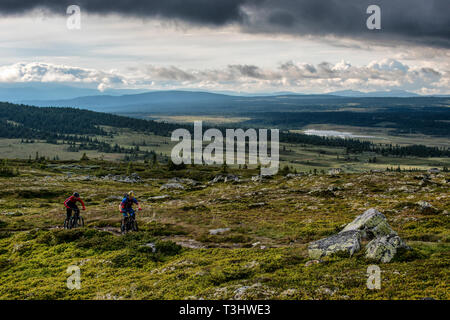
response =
{"points": [[76, 127]]}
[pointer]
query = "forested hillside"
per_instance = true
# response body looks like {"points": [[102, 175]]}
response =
{"points": [[76, 125], [70, 121]]}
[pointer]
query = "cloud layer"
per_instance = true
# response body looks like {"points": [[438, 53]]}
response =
{"points": [[413, 21], [50, 73], [288, 76]]}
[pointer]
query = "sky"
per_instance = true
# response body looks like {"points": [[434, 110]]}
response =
{"points": [[253, 46]]}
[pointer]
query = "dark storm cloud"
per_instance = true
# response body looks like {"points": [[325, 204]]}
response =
{"points": [[415, 21], [210, 12], [423, 22]]}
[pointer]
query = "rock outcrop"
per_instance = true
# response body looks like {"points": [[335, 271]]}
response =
{"points": [[383, 249], [426, 208], [186, 181], [261, 178], [371, 225], [218, 231], [133, 178], [225, 178], [347, 242], [172, 186]]}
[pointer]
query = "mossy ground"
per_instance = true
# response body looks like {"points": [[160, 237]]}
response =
{"points": [[280, 215]]}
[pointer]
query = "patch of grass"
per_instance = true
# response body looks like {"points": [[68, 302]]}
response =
{"points": [[228, 273], [34, 255], [228, 238], [41, 193]]}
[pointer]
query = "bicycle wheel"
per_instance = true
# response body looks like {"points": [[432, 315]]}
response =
{"points": [[134, 225], [73, 222], [124, 225], [81, 221], [66, 223]]}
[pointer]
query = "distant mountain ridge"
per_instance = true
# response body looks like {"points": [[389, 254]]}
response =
{"points": [[112, 100], [20, 92], [376, 94]]}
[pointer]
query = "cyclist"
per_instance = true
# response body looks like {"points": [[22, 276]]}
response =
{"points": [[126, 206], [71, 204]]}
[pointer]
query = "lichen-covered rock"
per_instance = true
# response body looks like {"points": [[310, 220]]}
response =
{"points": [[426, 208], [372, 223], [218, 231], [256, 291], [133, 178], [261, 178], [186, 181], [158, 198], [172, 186], [293, 175], [225, 178], [383, 249], [347, 242]]}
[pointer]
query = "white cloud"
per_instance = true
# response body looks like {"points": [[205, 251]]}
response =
{"points": [[46, 72], [288, 76]]}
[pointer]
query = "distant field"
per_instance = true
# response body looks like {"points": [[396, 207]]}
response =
{"points": [[14, 149], [298, 157], [382, 135], [205, 119]]}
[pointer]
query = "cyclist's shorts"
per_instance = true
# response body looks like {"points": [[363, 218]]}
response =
{"points": [[126, 211], [73, 206]]}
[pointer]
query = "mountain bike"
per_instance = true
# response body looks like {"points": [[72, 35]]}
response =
{"points": [[129, 224], [74, 221]]}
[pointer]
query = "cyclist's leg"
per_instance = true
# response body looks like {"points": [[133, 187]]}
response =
{"points": [[123, 227], [132, 212], [76, 212], [68, 213], [124, 216]]}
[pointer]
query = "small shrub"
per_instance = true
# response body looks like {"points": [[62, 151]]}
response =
{"points": [[42, 193], [229, 273], [5, 234], [167, 248], [63, 236], [127, 260], [158, 229], [45, 238], [5, 264], [405, 255]]}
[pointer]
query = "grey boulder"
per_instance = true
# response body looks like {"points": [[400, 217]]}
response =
{"points": [[225, 178], [172, 186], [426, 208], [347, 242], [372, 223], [384, 249], [218, 231]]}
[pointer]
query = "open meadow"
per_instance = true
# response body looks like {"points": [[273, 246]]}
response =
{"points": [[245, 239]]}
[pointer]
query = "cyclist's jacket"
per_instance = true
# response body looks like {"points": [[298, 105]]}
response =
{"points": [[72, 201], [127, 203]]}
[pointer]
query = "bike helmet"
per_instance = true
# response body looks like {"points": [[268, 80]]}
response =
{"points": [[131, 194], [76, 194]]}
